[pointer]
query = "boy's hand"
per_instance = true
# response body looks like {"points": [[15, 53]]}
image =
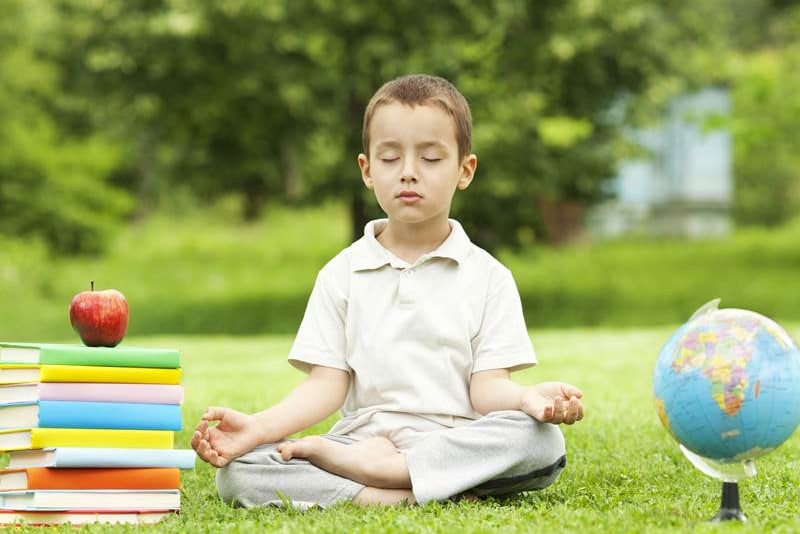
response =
{"points": [[553, 402], [235, 434]]}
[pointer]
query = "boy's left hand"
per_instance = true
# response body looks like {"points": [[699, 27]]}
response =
{"points": [[553, 402]]}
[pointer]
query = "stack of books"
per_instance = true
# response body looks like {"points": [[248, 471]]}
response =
{"points": [[89, 433]]}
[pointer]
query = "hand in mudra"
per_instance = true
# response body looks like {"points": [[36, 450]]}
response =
{"points": [[235, 434], [553, 402]]}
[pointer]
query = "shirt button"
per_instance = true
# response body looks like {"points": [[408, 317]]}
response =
{"points": [[409, 273]]}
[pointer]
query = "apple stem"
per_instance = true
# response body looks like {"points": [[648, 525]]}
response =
{"points": [[92, 282]]}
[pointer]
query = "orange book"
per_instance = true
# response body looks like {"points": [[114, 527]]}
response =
{"points": [[45, 478]]}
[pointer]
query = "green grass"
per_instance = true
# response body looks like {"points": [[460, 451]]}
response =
{"points": [[625, 474], [203, 273]]}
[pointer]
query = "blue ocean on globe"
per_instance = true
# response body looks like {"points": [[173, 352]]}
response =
{"points": [[727, 384]]}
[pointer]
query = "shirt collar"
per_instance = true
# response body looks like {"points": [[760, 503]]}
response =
{"points": [[367, 253]]}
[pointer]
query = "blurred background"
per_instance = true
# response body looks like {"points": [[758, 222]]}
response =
{"points": [[637, 158]]}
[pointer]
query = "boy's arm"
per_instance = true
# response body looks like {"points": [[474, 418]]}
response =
{"points": [[548, 402], [320, 395], [236, 433]]}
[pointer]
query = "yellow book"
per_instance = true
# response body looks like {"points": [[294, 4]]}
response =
{"points": [[43, 438], [17, 374]]}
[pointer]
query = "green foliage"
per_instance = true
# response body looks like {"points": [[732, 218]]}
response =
{"points": [[635, 283], [206, 273], [766, 140], [266, 99], [52, 184]]}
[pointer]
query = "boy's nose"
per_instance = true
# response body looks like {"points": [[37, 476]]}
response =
{"points": [[408, 178]]}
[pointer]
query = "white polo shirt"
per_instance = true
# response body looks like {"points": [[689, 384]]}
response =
{"points": [[411, 335]]}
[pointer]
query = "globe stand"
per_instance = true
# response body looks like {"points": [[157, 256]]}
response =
{"points": [[729, 506]]}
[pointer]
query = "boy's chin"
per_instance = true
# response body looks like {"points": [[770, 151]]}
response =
{"points": [[406, 218]]}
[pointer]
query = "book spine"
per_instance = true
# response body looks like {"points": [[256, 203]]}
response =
{"points": [[44, 478], [109, 415], [125, 375], [99, 392], [43, 438], [109, 357], [105, 457]]}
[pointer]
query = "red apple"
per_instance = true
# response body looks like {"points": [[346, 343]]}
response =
{"points": [[99, 317]]}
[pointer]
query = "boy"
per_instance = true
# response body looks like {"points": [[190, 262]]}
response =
{"points": [[412, 331]]}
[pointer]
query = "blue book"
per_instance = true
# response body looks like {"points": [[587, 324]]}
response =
{"points": [[75, 414], [101, 457]]}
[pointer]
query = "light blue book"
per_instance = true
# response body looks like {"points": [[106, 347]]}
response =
{"points": [[74, 414], [102, 457]]}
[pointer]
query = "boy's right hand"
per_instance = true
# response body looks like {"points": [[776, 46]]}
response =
{"points": [[235, 434]]}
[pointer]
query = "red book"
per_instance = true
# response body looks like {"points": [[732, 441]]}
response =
{"points": [[45, 478]]}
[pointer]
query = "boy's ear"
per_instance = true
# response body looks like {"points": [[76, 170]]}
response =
{"points": [[468, 167], [363, 164]]}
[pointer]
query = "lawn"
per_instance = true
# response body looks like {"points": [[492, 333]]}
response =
{"points": [[625, 474], [205, 273]]}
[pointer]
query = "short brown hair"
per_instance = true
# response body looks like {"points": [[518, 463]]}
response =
{"points": [[418, 90]]}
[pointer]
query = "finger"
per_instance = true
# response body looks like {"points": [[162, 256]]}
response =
{"points": [[201, 427], [214, 413], [196, 437], [215, 459], [558, 411], [203, 450], [547, 414], [571, 391], [571, 413], [211, 435]]}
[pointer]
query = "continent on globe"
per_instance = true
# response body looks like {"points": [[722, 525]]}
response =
{"points": [[727, 384]]}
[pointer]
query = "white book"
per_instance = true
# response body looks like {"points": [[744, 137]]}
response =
{"points": [[67, 457], [17, 517], [99, 500]]}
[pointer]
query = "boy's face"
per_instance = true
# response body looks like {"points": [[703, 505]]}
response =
{"points": [[414, 167]]}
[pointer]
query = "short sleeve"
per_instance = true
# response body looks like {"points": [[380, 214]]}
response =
{"points": [[320, 339], [502, 341]]}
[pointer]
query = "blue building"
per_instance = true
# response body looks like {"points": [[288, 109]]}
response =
{"points": [[685, 187]]}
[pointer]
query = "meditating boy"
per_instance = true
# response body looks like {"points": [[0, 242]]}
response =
{"points": [[412, 331]]}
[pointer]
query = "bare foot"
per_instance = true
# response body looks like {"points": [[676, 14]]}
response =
{"points": [[373, 462], [387, 497]]}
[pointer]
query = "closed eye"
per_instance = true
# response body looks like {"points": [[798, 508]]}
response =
{"points": [[432, 160], [389, 160]]}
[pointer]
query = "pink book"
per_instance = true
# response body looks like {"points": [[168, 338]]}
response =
{"points": [[92, 392]]}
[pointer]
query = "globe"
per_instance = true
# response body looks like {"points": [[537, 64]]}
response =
{"points": [[727, 385]]}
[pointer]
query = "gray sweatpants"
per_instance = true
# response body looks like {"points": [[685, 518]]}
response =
{"points": [[500, 454]]}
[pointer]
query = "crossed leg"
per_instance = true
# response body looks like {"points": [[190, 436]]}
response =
{"points": [[374, 462]]}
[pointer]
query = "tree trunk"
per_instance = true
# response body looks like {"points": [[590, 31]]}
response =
{"points": [[563, 220], [254, 197], [358, 208], [292, 179]]}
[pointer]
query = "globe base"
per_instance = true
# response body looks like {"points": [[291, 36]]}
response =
{"points": [[729, 506]]}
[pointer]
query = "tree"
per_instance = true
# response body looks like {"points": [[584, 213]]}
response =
{"points": [[265, 99], [53, 183]]}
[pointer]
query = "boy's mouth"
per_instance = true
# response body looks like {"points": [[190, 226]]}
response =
{"points": [[409, 197]]}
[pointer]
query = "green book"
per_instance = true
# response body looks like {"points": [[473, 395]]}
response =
{"points": [[57, 354]]}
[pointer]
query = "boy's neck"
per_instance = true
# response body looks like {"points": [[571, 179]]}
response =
{"points": [[410, 241]]}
